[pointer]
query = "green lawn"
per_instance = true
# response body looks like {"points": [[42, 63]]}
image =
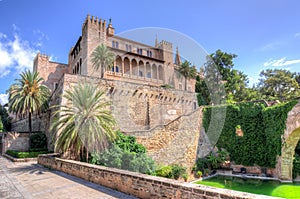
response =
{"points": [[270, 188]]}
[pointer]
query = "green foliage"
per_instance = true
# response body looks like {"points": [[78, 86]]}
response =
{"points": [[1, 125], [28, 95], [279, 84], [85, 124], [31, 154], [102, 58], [199, 174], [164, 171], [171, 171], [128, 143], [38, 140], [296, 166], [126, 154], [262, 130], [187, 71], [210, 162], [178, 171], [6, 120]]}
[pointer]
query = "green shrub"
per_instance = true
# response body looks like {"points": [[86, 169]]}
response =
{"points": [[126, 154], [38, 140], [178, 171], [165, 171], [128, 143], [18, 154], [199, 174], [171, 171]]}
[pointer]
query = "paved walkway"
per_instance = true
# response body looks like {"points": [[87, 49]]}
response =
{"points": [[30, 180]]}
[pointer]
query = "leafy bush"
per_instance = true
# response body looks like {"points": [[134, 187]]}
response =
{"points": [[171, 171], [128, 143], [1, 125], [38, 140], [126, 154], [18, 154], [199, 174], [164, 171], [178, 171]]}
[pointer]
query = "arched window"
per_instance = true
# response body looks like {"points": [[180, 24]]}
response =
{"points": [[117, 44], [113, 44]]}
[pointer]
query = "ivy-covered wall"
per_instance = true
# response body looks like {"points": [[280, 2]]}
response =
{"points": [[262, 129]]}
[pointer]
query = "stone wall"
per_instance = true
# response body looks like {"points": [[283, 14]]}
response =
{"points": [[16, 141], [284, 166], [138, 107], [139, 185], [174, 143]]}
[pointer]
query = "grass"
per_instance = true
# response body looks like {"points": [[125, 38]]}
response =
{"points": [[31, 154], [264, 187]]}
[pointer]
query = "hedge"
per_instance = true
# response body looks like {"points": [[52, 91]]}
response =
{"points": [[262, 129]]}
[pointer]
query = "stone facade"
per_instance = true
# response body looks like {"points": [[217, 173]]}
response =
{"points": [[15, 141], [173, 143], [291, 137], [140, 185]]}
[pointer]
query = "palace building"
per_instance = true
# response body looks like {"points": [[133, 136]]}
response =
{"points": [[134, 61]]}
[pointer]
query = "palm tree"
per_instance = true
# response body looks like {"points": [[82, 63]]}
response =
{"points": [[85, 122], [102, 58], [28, 95], [187, 71]]}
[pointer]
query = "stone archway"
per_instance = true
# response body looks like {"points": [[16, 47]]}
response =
{"points": [[291, 137]]}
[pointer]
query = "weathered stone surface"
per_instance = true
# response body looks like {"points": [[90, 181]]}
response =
{"points": [[284, 167], [139, 185]]}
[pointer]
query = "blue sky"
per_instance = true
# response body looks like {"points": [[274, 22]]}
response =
{"points": [[264, 34]]}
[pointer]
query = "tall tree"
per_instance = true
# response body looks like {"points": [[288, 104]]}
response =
{"points": [[28, 95], [278, 84], [1, 125], [85, 123], [187, 71], [221, 81], [5, 118], [102, 58]]}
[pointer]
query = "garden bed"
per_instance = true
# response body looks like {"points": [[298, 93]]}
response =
{"points": [[21, 156]]}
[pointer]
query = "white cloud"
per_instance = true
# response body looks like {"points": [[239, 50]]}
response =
{"points": [[15, 54], [3, 99], [297, 35], [40, 37], [281, 62]]}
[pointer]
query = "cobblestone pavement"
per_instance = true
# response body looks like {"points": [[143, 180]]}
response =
{"points": [[30, 180]]}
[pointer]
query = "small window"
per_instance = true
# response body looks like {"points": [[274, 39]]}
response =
{"points": [[117, 44], [55, 85], [113, 44]]}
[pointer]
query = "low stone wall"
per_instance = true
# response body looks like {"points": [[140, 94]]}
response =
{"points": [[139, 185]]}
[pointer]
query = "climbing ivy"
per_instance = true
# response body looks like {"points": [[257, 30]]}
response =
{"points": [[262, 129]]}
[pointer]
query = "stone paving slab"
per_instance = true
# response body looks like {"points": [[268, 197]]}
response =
{"points": [[30, 180]]}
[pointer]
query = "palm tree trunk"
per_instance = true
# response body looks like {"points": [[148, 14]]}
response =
{"points": [[30, 128], [185, 86]]}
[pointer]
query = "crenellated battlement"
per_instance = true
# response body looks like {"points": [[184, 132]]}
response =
{"points": [[95, 21]]}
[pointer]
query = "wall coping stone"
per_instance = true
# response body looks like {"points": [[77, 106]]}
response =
{"points": [[146, 183]]}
